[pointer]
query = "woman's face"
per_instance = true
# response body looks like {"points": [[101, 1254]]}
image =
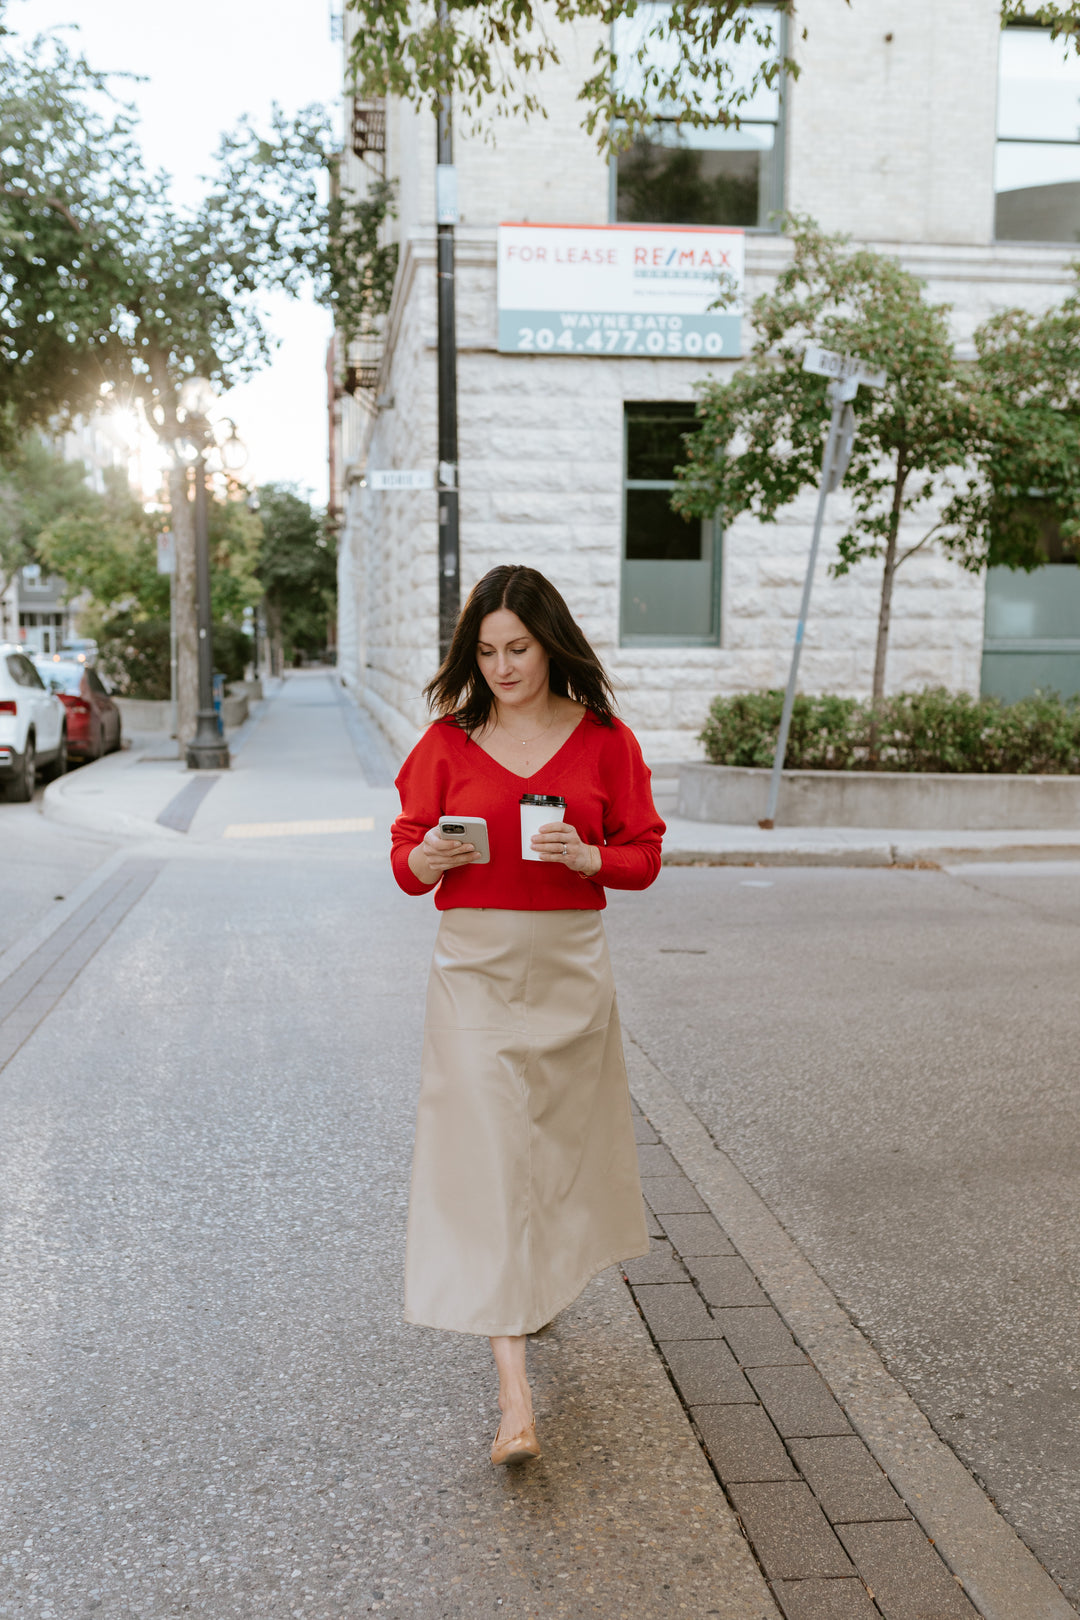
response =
{"points": [[512, 661]]}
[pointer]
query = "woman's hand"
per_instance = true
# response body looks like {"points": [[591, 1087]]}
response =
{"points": [[557, 841], [435, 855]]}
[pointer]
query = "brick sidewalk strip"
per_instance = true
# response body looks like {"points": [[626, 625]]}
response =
{"points": [[834, 1539], [180, 811], [30, 993]]}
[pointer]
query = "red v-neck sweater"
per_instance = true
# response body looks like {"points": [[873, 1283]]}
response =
{"points": [[600, 773]]}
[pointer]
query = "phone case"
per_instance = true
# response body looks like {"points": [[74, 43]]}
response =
{"points": [[471, 830]]}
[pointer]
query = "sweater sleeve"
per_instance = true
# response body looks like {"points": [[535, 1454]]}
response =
{"points": [[630, 854], [421, 786]]}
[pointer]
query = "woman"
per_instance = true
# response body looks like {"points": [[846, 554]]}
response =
{"points": [[525, 1180]]}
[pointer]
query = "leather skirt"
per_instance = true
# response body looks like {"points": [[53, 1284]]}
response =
{"points": [[525, 1180]]}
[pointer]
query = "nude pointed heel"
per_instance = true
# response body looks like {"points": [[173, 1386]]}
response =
{"points": [[521, 1448]]}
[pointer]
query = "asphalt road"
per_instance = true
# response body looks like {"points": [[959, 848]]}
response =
{"points": [[39, 866], [893, 1059]]}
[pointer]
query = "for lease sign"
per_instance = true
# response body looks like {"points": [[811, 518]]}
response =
{"points": [[619, 289]]}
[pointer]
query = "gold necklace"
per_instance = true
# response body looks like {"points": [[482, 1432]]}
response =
{"points": [[528, 740]]}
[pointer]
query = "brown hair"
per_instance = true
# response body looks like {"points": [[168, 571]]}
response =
{"points": [[459, 690]]}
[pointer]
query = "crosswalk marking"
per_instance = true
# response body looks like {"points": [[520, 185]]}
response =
{"points": [[294, 829]]}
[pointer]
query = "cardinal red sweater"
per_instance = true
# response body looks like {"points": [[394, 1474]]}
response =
{"points": [[600, 773]]}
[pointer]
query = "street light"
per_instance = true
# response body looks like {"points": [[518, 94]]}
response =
{"points": [[208, 750]]}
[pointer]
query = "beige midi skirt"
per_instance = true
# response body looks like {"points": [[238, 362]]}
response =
{"points": [[525, 1180]]}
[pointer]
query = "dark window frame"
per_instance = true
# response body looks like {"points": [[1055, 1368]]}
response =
{"points": [[1028, 25], [712, 551], [772, 205]]}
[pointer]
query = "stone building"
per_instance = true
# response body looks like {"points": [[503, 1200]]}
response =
{"points": [[916, 126]]}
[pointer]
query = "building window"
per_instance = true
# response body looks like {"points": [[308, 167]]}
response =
{"points": [[687, 176], [671, 564], [1037, 171], [1032, 628]]}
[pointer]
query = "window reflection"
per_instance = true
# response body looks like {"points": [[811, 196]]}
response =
{"points": [[1037, 171], [671, 564], [690, 176]]}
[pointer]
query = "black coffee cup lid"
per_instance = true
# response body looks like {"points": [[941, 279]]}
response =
{"points": [[541, 798]]}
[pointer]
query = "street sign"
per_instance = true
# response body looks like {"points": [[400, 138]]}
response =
{"points": [[400, 478], [446, 194], [166, 554], [841, 367]]}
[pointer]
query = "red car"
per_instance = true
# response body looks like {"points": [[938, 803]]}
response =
{"points": [[93, 720]]}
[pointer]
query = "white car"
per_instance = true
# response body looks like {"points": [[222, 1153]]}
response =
{"points": [[33, 726]]}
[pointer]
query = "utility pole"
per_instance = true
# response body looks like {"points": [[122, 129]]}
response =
{"points": [[208, 750], [446, 214], [847, 373]]}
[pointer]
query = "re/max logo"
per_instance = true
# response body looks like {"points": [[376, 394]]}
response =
{"points": [[703, 258]]}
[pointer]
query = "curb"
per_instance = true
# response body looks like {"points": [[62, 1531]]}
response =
{"points": [[56, 806], [106, 823], [996, 1569], [896, 856]]}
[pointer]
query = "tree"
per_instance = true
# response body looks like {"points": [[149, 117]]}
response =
{"points": [[104, 546], [106, 286], [38, 490], [486, 53], [65, 188], [762, 434], [1026, 492], [298, 571], [985, 455], [486, 56]]}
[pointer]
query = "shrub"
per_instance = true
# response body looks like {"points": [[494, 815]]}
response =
{"points": [[134, 654], [232, 651], [932, 730]]}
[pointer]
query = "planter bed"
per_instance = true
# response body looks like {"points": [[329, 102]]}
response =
{"points": [[893, 799]]}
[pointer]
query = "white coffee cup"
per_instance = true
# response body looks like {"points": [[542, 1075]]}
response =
{"points": [[537, 810]]}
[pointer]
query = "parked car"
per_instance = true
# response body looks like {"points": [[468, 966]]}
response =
{"points": [[93, 719], [33, 727], [82, 648]]}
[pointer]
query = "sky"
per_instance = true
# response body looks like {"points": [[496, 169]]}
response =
{"points": [[204, 64]]}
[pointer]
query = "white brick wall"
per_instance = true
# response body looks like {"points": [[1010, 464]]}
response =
{"points": [[893, 137], [541, 437]]}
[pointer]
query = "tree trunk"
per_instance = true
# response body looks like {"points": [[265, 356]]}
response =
{"points": [[885, 611], [877, 695], [274, 637], [187, 629]]}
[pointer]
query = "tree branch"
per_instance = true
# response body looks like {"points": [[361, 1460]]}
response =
{"points": [[55, 203], [919, 545]]}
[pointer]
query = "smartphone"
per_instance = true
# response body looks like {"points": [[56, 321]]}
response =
{"points": [[470, 830]]}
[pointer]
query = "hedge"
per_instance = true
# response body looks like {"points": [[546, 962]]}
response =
{"points": [[134, 654], [931, 730]]}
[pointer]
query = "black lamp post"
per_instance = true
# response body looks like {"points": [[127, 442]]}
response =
{"points": [[446, 213], [208, 750]]}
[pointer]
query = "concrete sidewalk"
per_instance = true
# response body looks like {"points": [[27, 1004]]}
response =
{"points": [[129, 795]]}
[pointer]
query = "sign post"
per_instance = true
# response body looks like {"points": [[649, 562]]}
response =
{"points": [[847, 373]]}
